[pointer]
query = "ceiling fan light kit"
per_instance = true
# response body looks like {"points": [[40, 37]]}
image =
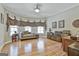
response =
{"points": [[37, 9]]}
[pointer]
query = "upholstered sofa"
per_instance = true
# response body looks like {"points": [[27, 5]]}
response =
{"points": [[57, 35], [27, 35], [66, 33], [50, 34]]}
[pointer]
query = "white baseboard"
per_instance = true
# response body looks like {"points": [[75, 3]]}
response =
{"points": [[4, 45]]}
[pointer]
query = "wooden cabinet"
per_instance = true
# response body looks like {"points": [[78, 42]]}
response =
{"points": [[66, 41], [73, 49]]}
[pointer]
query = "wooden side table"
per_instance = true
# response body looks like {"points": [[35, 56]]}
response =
{"points": [[66, 41], [73, 49], [14, 38]]}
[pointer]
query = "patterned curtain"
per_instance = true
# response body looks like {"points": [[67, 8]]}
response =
{"points": [[23, 23]]}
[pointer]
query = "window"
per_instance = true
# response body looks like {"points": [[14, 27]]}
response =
{"points": [[28, 28], [40, 29], [13, 29]]}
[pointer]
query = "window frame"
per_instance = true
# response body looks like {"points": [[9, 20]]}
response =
{"points": [[29, 28], [40, 29], [11, 30]]}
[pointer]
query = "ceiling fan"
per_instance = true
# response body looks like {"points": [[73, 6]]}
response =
{"points": [[37, 8]]}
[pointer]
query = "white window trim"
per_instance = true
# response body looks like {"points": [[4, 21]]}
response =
{"points": [[40, 31], [14, 30], [28, 28]]}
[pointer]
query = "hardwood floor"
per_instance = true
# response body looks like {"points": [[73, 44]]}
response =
{"points": [[34, 47]]}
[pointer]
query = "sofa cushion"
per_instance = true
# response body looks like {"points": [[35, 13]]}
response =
{"points": [[28, 35]]}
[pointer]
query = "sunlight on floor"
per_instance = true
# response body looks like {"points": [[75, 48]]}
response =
{"points": [[41, 46]]}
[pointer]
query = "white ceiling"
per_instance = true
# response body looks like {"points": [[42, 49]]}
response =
{"points": [[46, 9]]}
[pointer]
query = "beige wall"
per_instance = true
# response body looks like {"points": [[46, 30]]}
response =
{"points": [[2, 26], [4, 37], [69, 16]]}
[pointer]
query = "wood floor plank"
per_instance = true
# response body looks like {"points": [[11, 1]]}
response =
{"points": [[35, 47]]}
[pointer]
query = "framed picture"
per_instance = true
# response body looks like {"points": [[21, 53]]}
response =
{"points": [[2, 19], [75, 23], [61, 24], [54, 24]]}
